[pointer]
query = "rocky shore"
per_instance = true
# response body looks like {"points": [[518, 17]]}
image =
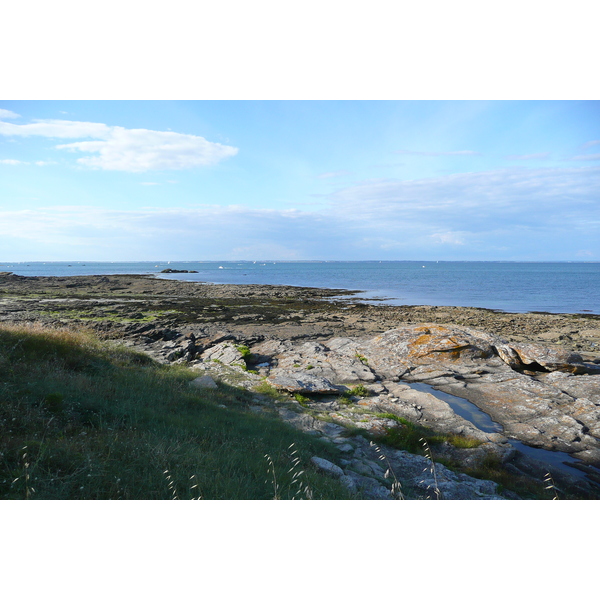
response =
{"points": [[347, 367]]}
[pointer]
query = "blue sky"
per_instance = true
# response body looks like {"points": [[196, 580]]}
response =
{"points": [[299, 180]]}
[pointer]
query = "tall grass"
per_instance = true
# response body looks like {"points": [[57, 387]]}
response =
{"points": [[84, 419]]}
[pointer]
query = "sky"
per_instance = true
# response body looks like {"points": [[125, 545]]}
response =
{"points": [[299, 180]]}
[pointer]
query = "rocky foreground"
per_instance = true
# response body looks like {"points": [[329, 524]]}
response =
{"points": [[347, 367]]}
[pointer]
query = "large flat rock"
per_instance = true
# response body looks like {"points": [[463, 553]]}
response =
{"points": [[302, 383], [535, 393]]}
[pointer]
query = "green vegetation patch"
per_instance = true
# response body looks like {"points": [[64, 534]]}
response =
{"points": [[245, 352], [82, 419], [113, 316], [348, 395], [302, 400], [362, 358], [409, 436]]}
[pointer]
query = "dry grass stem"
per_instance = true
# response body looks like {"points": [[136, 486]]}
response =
{"points": [[432, 469], [396, 488], [171, 485], [551, 486]]}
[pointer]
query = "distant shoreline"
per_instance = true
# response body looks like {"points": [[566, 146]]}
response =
{"points": [[113, 303], [362, 296], [555, 288]]}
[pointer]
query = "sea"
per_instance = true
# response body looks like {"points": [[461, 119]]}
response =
{"points": [[552, 287]]}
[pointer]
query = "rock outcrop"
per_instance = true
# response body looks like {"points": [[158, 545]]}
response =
{"points": [[546, 398], [534, 393]]}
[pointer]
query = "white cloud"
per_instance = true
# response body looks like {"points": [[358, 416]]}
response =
{"points": [[527, 214], [448, 237], [510, 213], [210, 232], [120, 149], [470, 197], [8, 114], [56, 128], [590, 144], [11, 161]]}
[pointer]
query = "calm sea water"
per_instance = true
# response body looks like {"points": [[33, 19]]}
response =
{"points": [[567, 287]]}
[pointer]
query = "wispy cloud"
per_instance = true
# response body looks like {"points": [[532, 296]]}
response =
{"points": [[515, 188], [11, 161], [590, 144], [481, 206], [541, 211], [513, 213], [538, 156], [56, 128], [119, 149], [8, 114], [227, 232], [587, 157], [452, 153], [448, 237]]}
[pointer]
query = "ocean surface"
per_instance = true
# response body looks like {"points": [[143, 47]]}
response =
{"points": [[564, 287]]}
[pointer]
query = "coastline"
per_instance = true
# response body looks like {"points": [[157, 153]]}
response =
{"points": [[278, 311], [289, 330], [554, 288]]}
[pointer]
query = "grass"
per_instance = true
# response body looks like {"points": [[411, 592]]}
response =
{"points": [[245, 352], [362, 358], [302, 400], [421, 440], [266, 389], [406, 436], [84, 419], [410, 436], [359, 390], [492, 469]]}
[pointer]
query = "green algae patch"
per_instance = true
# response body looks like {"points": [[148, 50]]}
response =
{"points": [[107, 315]]}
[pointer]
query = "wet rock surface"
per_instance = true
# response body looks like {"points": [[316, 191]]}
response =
{"points": [[347, 369]]}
